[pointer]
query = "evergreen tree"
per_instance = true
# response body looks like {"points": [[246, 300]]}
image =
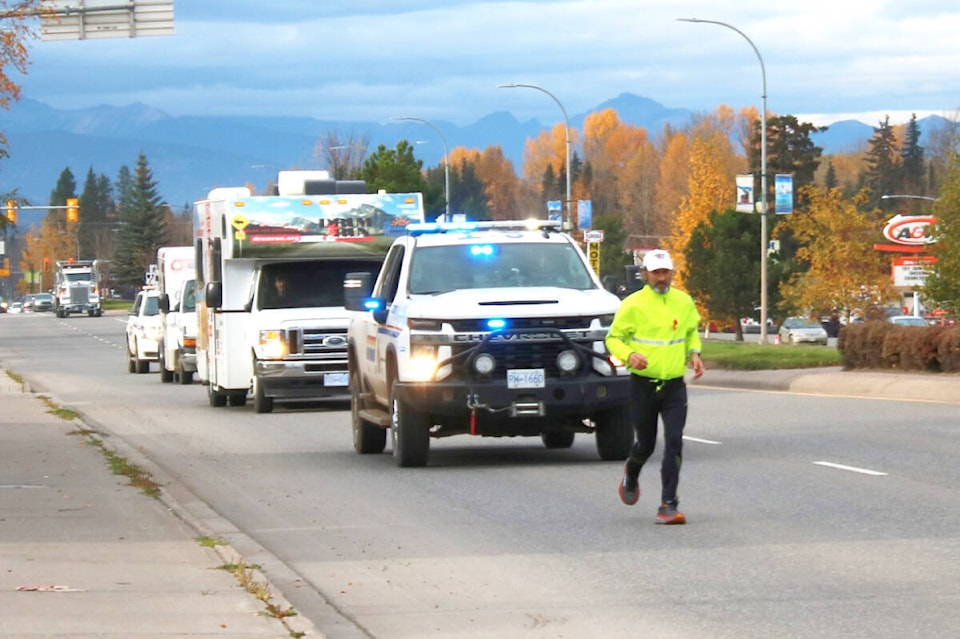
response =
{"points": [[912, 161], [882, 175], [65, 188], [142, 229], [394, 170], [468, 197], [723, 266]]}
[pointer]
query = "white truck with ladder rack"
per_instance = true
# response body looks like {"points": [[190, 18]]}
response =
{"points": [[484, 328], [270, 314]]}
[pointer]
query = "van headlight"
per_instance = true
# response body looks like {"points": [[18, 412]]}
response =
{"points": [[272, 345]]}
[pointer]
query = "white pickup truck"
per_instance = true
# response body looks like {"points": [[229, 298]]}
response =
{"points": [[489, 329]]}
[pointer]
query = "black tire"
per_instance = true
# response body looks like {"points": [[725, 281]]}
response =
{"points": [[184, 377], [614, 433], [142, 365], [237, 398], [165, 376], [368, 438], [261, 403], [131, 363], [557, 438], [410, 433], [217, 399]]}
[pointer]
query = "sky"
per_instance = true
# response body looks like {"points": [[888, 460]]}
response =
{"points": [[442, 60]]}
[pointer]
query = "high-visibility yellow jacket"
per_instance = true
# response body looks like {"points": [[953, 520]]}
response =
{"points": [[663, 327]]}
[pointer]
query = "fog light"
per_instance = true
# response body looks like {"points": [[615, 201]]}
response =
{"points": [[484, 364], [567, 361]]}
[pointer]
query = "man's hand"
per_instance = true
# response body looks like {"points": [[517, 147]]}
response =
{"points": [[697, 365], [637, 361]]}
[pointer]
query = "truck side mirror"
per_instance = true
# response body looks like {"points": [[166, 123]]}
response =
{"points": [[356, 289], [164, 303], [213, 294]]}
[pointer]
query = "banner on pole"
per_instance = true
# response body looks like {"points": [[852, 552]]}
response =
{"points": [[783, 194], [745, 194]]}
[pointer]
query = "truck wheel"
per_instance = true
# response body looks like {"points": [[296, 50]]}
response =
{"points": [[368, 438], [184, 377], [614, 433], [261, 403], [165, 376], [217, 399], [410, 432], [237, 398], [557, 439]]}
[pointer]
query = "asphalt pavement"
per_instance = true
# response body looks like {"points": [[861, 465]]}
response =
{"points": [[84, 554]]}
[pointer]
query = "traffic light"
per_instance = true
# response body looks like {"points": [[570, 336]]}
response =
{"points": [[73, 209], [12, 211], [46, 264]]}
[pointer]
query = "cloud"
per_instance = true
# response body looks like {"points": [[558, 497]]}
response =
{"points": [[370, 60]]}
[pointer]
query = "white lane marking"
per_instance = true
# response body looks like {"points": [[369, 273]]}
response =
{"points": [[702, 441], [852, 469]]}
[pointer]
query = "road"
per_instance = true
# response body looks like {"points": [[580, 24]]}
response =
{"points": [[808, 516]]}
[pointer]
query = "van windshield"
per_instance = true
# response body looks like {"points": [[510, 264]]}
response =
{"points": [[308, 284]]}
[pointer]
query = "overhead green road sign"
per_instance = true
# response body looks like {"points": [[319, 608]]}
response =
{"points": [[96, 19]]}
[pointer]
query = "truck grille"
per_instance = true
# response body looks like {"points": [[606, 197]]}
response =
{"points": [[79, 294], [317, 343]]}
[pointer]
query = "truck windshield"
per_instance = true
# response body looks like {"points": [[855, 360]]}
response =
{"points": [[75, 276], [189, 304], [439, 269], [308, 284]]}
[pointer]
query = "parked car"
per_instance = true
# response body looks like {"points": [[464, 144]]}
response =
{"points": [[799, 330], [43, 302], [16, 307], [908, 320]]}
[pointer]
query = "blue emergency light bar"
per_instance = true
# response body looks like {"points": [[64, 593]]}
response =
{"points": [[422, 228]]}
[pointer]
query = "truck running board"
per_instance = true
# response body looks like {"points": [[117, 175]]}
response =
{"points": [[376, 416]]}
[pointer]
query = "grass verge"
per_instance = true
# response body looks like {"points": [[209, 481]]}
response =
{"points": [[754, 357]]}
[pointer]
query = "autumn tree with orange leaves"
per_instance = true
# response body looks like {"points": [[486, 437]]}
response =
{"points": [[14, 35]]}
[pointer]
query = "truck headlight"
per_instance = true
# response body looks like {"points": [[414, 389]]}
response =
{"points": [[272, 345], [484, 363], [567, 361], [423, 363]]}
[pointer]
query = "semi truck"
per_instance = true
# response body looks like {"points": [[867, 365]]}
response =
{"points": [[176, 354], [76, 288], [271, 322]]}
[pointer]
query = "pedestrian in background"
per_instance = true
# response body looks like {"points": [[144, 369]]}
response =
{"points": [[655, 332]]}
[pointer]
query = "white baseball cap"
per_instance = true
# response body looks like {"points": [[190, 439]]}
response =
{"points": [[657, 259]]}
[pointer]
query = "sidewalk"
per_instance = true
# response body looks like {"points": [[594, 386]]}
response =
{"points": [[83, 554], [834, 381]]}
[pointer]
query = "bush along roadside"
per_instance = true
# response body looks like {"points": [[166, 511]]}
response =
{"points": [[882, 345]]}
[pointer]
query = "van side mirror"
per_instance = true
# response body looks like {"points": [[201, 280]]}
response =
{"points": [[213, 294], [164, 303]]}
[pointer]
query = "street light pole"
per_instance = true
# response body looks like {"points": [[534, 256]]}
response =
{"points": [[763, 174], [568, 223], [446, 162]]}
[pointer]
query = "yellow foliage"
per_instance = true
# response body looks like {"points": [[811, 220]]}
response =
{"points": [[836, 238], [710, 188]]}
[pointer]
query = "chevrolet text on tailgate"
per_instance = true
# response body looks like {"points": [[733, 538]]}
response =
{"points": [[484, 328]]}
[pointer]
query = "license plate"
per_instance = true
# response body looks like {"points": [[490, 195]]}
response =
{"points": [[336, 379], [526, 378]]}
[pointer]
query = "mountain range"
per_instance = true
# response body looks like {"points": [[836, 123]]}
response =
{"points": [[189, 155]]}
